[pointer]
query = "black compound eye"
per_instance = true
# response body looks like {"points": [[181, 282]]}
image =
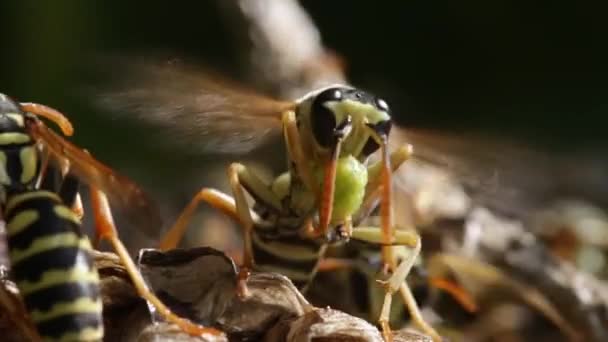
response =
{"points": [[323, 119], [382, 128], [370, 147]]}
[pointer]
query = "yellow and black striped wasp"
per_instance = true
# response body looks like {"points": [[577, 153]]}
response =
{"points": [[330, 185], [50, 256]]}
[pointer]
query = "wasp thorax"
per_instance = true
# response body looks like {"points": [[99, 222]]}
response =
{"points": [[355, 115]]}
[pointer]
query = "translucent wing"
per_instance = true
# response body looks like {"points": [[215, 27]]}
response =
{"points": [[190, 107], [123, 192], [508, 176]]}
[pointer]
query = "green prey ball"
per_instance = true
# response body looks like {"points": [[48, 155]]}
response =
{"points": [[351, 179]]}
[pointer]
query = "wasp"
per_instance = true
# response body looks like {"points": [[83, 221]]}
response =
{"points": [[329, 186], [50, 256]]}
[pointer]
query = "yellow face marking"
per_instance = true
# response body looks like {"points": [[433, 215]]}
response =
{"points": [[359, 112], [86, 334], [81, 273], [66, 213], [44, 244], [17, 118], [29, 165], [21, 221], [81, 305], [287, 251], [4, 178], [18, 199], [9, 138]]}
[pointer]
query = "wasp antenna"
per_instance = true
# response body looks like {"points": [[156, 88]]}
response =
{"points": [[52, 114]]}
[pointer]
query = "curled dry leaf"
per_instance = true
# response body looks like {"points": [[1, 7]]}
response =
{"points": [[196, 283], [170, 333], [333, 325], [199, 283], [330, 325], [272, 297]]}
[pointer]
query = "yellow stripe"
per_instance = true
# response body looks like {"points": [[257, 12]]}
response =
{"points": [[44, 244], [286, 251], [14, 138], [77, 274], [66, 213], [22, 221], [17, 118], [18, 199], [4, 178], [29, 165], [81, 305], [86, 334]]}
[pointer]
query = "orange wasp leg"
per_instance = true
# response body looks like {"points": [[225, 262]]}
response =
{"points": [[235, 207], [215, 198], [104, 224], [396, 282], [464, 298], [328, 191], [239, 177], [296, 151]]}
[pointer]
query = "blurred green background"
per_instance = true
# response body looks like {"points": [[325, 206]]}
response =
{"points": [[535, 70]]}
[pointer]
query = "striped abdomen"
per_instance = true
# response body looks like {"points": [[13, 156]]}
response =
{"points": [[53, 269], [289, 255]]}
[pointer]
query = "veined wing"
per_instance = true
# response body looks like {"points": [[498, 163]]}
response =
{"points": [[191, 107], [508, 176]]}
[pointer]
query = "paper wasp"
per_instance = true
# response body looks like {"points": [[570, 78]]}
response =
{"points": [[330, 185], [49, 254]]}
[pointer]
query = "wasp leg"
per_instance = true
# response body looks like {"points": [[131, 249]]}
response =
{"points": [[240, 177], [374, 171], [296, 152], [396, 282], [105, 226], [215, 198]]}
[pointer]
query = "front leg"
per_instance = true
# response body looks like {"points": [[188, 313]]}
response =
{"points": [[396, 282], [373, 188], [296, 152], [236, 207]]}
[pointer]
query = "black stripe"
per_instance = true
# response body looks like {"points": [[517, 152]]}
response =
{"points": [[69, 189], [45, 298], [47, 224], [52, 178], [57, 327], [291, 237], [13, 165], [264, 258], [32, 268]]}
